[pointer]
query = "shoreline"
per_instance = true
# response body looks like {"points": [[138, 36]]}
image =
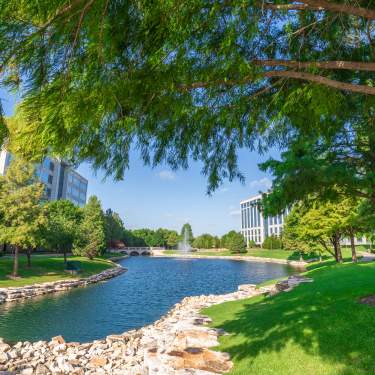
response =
{"points": [[293, 263], [11, 294], [177, 344]]}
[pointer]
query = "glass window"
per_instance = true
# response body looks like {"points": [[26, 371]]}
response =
{"points": [[50, 179], [51, 166]]}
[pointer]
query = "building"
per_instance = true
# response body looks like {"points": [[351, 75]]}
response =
{"points": [[255, 226], [60, 179]]}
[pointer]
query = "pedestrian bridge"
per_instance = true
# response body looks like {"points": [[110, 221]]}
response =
{"points": [[134, 251]]}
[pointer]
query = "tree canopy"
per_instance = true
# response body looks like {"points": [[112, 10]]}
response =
{"points": [[21, 214], [183, 80]]}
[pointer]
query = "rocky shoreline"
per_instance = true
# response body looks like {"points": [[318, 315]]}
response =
{"points": [[293, 263], [29, 291], [177, 344]]}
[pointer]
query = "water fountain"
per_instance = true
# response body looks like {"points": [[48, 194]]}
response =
{"points": [[184, 245]]}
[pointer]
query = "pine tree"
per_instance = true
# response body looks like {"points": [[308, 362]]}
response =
{"points": [[21, 211]]}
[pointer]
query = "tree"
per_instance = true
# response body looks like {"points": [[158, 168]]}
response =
{"points": [[114, 227], [187, 233], [90, 241], [21, 214], [62, 224], [204, 241], [237, 243], [172, 239], [316, 225], [182, 80], [226, 239], [272, 242]]}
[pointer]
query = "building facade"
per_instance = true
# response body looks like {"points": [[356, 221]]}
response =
{"points": [[255, 227], [60, 179]]}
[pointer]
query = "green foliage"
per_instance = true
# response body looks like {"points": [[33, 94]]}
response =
{"points": [[21, 214], [204, 241], [226, 239], [148, 237], [251, 244], [63, 222], [237, 243], [114, 227], [272, 242], [178, 80], [90, 241], [317, 226]]}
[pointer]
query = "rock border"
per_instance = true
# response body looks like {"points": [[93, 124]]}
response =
{"points": [[28, 291], [177, 344], [247, 258]]}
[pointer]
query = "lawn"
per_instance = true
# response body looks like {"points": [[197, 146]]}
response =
{"points": [[262, 253], [319, 328], [47, 268]]}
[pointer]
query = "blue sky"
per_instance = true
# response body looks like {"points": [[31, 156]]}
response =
{"points": [[158, 197]]}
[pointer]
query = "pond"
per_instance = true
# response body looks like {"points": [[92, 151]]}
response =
{"points": [[136, 298]]}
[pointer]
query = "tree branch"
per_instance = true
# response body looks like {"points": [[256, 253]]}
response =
{"points": [[347, 65], [340, 8], [363, 89]]}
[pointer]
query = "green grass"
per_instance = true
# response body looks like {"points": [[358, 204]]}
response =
{"points": [[47, 268], [318, 328]]}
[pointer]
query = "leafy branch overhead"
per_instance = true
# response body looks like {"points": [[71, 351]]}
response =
{"points": [[183, 80]]}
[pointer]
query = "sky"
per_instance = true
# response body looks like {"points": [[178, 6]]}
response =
{"points": [[161, 198]]}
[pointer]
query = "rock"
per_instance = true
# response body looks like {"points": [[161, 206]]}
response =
{"points": [[41, 370], [98, 361], [28, 371], [58, 339], [3, 357]]}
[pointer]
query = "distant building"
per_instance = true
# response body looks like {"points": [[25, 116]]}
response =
{"points": [[60, 179], [254, 226]]}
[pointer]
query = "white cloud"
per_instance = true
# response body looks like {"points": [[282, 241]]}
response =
{"points": [[223, 190], [263, 183], [167, 175], [235, 213]]}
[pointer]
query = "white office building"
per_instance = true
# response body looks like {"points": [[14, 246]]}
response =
{"points": [[60, 179], [255, 227]]}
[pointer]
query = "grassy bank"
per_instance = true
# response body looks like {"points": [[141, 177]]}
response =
{"points": [[318, 328], [262, 253], [47, 268]]}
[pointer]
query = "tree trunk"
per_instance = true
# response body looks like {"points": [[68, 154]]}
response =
{"points": [[15, 262], [337, 247], [28, 254], [4, 250], [65, 257], [352, 245]]}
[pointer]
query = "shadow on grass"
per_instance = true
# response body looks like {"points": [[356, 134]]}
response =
{"points": [[323, 318]]}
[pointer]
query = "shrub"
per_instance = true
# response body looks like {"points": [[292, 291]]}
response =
{"points": [[236, 243], [272, 242], [251, 244]]}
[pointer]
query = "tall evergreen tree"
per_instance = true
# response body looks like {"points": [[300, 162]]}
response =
{"points": [[21, 213], [90, 241]]}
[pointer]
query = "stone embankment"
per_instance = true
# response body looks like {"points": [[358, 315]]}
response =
{"points": [[294, 263], [177, 344], [29, 291]]}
